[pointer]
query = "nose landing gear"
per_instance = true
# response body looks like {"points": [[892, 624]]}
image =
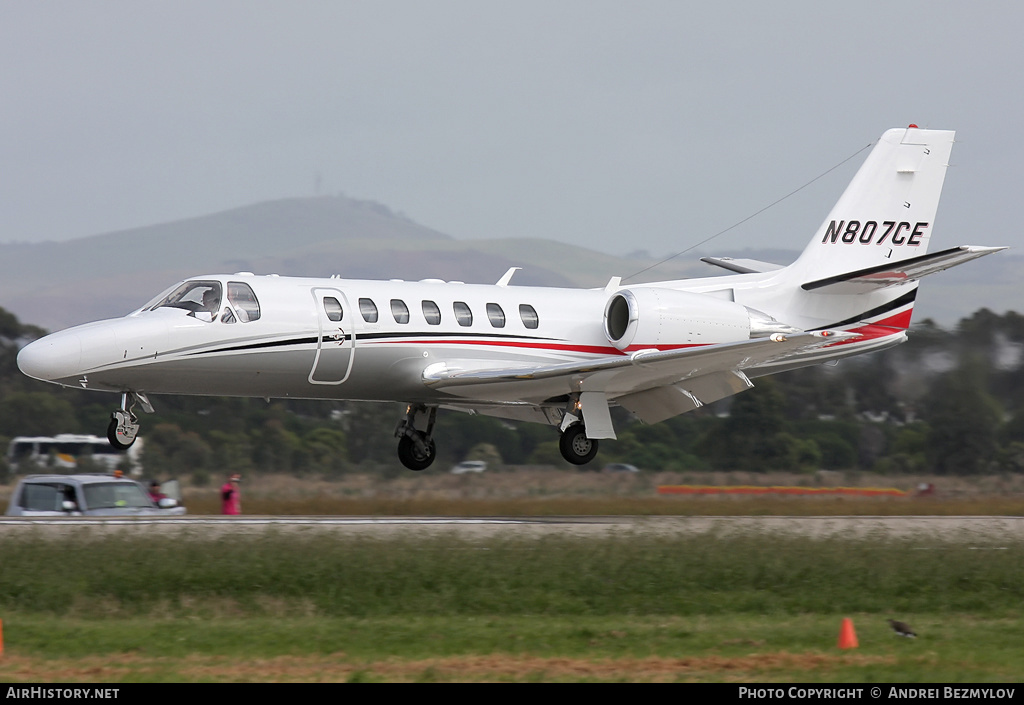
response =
{"points": [[416, 449], [124, 424]]}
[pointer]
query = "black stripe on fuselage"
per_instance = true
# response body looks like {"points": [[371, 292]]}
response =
{"points": [[261, 345], [900, 302], [367, 337], [438, 334]]}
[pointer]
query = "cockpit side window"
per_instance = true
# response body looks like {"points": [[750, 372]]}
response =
{"points": [[196, 297], [243, 299]]}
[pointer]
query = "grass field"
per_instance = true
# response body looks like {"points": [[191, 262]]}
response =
{"points": [[275, 607], [524, 648]]}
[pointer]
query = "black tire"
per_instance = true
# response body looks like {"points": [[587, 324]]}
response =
{"points": [[112, 436], [576, 447], [413, 458]]}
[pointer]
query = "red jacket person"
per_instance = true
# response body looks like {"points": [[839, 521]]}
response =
{"points": [[231, 496]]}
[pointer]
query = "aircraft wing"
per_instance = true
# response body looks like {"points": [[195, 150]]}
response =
{"points": [[654, 384], [901, 272]]}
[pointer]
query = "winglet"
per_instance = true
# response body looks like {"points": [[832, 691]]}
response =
{"points": [[507, 276]]}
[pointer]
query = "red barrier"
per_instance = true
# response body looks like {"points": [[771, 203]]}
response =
{"points": [[754, 490]]}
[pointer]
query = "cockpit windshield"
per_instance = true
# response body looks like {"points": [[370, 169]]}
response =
{"points": [[203, 299], [196, 297]]}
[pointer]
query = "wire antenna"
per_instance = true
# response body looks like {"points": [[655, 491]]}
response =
{"points": [[752, 215]]}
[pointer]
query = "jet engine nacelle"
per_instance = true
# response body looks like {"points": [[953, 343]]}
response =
{"points": [[648, 317]]}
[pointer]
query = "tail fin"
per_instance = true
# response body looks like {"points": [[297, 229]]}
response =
{"points": [[861, 268], [886, 214]]}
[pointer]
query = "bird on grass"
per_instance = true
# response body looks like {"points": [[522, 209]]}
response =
{"points": [[903, 629]]}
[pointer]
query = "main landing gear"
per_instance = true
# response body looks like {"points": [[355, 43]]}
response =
{"points": [[576, 448], [124, 424], [416, 449]]}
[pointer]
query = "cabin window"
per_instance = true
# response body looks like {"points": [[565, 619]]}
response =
{"points": [[495, 315], [432, 313], [242, 298], [400, 311], [529, 315], [332, 307], [463, 314], [368, 309]]}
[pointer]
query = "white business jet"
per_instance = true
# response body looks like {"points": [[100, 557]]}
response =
{"points": [[558, 356]]}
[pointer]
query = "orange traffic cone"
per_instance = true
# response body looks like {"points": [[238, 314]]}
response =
{"points": [[847, 637]]}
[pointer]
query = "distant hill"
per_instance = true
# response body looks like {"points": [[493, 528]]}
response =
{"points": [[55, 285]]}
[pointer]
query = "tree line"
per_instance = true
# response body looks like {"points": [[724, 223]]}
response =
{"points": [[947, 402]]}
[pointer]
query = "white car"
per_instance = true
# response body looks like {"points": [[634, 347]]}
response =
{"points": [[88, 495], [469, 466]]}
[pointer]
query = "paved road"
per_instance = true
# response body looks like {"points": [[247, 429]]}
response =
{"points": [[965, 528]]}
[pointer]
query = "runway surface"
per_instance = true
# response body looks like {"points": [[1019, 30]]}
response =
{"points": [[959, 528]]}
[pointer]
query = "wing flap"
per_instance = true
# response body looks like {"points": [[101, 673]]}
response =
{"points": [[654, 405]]}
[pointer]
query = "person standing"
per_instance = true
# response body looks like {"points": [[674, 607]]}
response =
{"points": [[231, 496], [154, 492]]}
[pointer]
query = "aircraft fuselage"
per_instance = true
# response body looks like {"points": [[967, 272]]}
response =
{"points": [[385, 335]]}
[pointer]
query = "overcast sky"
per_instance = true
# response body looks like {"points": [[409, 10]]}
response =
{"points": [[646, 124]]}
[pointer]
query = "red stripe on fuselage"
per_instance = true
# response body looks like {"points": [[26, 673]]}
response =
{"points": [[892, 325], [587, 349], [900, 320]]}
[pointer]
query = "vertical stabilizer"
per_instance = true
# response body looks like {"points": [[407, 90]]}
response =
{"points": [[887, 212]]}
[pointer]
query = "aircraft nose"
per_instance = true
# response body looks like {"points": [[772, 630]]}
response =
{"points": [[52, 358]]}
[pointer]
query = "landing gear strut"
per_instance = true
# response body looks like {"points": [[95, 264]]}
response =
{"points": [[575, 446], [416, 449], [124, 424]]}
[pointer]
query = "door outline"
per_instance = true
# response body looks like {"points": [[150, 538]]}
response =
{"points": [[333, 336]]}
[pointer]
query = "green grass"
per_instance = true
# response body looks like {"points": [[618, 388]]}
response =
{"points": [[446, 575], [278, 606], [744, 648]]}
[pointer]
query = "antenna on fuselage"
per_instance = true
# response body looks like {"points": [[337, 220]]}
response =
{"points": [[507, 276]]}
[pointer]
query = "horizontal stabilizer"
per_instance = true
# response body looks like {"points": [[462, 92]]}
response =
{"points": [[741, 266], [901, 272]]}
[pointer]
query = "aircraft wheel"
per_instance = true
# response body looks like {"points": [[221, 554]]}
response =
{"points": [[576, 447], [412, 456], [121, 433]]}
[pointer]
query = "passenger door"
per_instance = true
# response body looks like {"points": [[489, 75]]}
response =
{"points": [[336, 339]]}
